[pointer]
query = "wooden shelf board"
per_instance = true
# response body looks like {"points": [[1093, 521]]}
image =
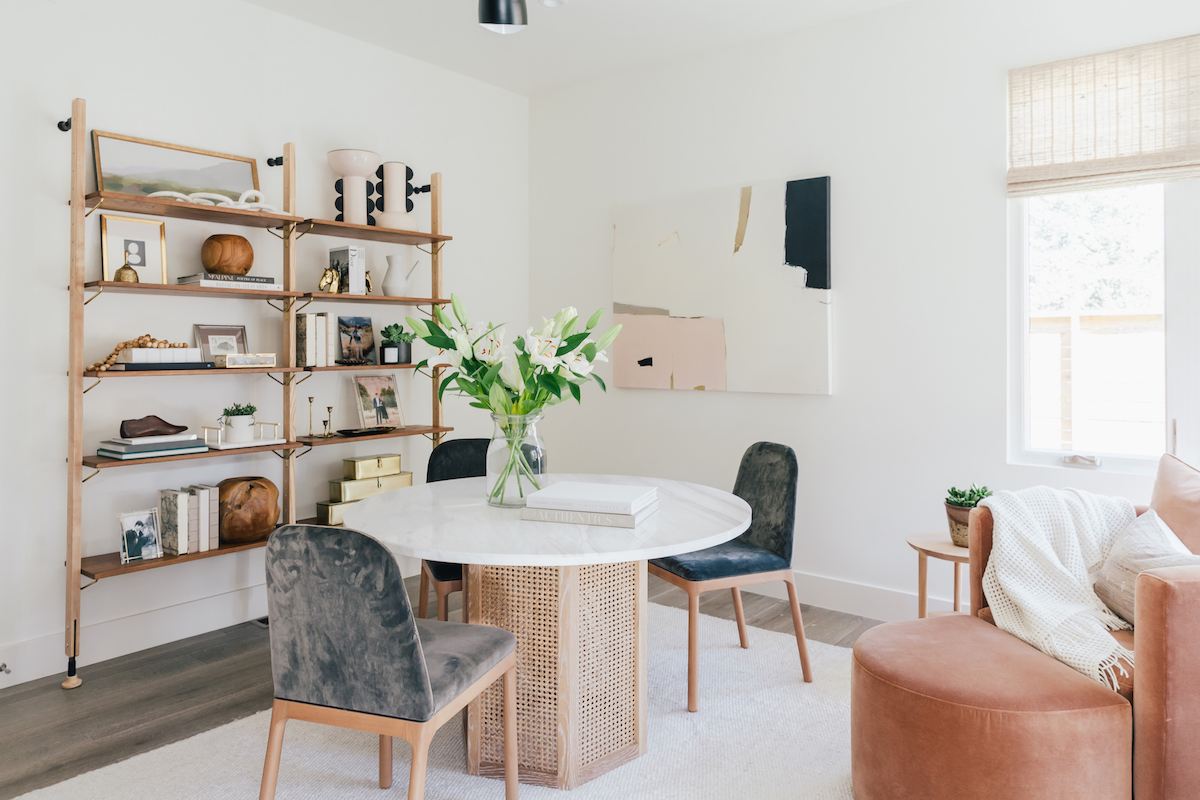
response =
{"points": [[411, 430], [169, 289], [342, 368], [167, 373], [326, 297], [109, 564], [100, 462], [177, 209], [372, 233]]}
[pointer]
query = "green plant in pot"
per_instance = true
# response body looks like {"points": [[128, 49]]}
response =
{"points": [[238, 420], [959, 503], [397, 345]]}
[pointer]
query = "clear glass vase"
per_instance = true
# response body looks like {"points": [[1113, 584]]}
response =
{"points": [[516, 459]]}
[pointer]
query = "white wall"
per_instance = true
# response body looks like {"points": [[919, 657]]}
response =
{"points": [[905, 108], [232, 77]]}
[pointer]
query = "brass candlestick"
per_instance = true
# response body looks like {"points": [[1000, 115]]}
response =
{"points": [[310, 402], [329, 423]]}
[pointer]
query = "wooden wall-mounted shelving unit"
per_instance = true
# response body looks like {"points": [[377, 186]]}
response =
{"points": [[290, 227]]}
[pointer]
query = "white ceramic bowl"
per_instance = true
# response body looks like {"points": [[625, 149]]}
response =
{"points": [[353, 163]]}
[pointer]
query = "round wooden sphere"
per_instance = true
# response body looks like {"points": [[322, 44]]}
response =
{"points": [[227, 254], [249, 509]]}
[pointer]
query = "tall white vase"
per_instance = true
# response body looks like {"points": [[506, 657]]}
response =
{"points": [[395, 283], [393, 199], [354, 167]]}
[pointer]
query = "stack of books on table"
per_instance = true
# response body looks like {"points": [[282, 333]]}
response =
{"points": [[361, 477], [212, 280], [176, 444], [190, 519], [608, 504]]}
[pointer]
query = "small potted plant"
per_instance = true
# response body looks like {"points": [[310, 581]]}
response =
{"points": [[959, 503], [397, 345], [238, 420]]}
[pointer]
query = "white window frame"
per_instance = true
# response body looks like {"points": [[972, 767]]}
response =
{"points": [[1182, 326]]}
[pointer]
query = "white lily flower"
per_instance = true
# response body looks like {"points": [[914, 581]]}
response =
{"points": [[510, 370], [547, 328], [489, 348], [562, 318], [541, 349], [577, 363]]}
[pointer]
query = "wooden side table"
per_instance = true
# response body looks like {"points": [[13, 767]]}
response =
{"points": [[937, 545]]}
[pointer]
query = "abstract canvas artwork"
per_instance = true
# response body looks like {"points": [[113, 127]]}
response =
{"points": [[725, 290]]}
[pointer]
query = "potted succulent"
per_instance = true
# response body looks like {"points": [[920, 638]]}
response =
{"points": [[397, 345], [238, 420], [959, 503]]}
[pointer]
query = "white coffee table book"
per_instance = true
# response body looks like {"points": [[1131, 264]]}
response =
{"points": [[599, 498]]}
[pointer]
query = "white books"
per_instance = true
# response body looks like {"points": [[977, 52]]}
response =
{"points": [[202, 500], [193, 528], [179, 451], [173, 517], [171, 437], [333, 347], [589, 517], [159, 355], [601, 498], [322, 341], [214, 515], [266, 287], [306, 340]]}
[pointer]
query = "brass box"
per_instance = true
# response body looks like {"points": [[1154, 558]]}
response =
{"points": [[331, 513], [348, 491], [355, 469]]}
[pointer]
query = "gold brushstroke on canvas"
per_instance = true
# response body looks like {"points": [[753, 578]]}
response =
{"points": [[743, 218]]}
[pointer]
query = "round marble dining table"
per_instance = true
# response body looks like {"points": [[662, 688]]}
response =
{"points": [[575, 598]]}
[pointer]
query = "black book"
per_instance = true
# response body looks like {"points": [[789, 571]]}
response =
{"points": [[176, 365]]}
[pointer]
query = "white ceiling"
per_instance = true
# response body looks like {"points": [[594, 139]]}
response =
{"points": [[580, 40]]}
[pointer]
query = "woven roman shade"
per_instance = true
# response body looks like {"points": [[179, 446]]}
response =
{"points": [[1124, 117]]}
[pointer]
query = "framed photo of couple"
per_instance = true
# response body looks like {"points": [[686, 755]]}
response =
{"points": [[378, 401]]}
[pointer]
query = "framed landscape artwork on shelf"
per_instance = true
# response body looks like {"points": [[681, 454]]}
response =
{"points": [[129, 165]]}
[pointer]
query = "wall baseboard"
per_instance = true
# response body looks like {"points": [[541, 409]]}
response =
{"points": [[865, 600]]}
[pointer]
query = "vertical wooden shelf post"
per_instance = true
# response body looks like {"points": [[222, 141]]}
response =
{"points": [[75, 388], [435, 281], [289, 334]]}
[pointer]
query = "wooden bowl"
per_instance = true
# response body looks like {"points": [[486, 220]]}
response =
{"points": [[249, 509], [227, 254]]}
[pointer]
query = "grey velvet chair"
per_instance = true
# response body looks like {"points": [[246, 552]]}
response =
{"points": [[766, 480], [347, 651], [460, 458]]}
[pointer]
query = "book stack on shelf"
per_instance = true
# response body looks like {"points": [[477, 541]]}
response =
{"points": [[132, 448], [317, 342], [604, 504], [361, 478], [152, 358], [213, 280], [190, 519]]}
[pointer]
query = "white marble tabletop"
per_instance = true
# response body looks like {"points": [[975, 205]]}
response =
{"points": [[451, 521]]}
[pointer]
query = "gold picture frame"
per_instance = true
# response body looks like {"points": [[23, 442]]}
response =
{"points": [[168, 172], [106, 261]]}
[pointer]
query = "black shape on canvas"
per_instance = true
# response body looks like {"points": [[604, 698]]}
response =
{"points": [[646, 362], [806, 235]]}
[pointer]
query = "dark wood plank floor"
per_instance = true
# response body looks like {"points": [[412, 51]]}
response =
{"points": [[139, 702]]}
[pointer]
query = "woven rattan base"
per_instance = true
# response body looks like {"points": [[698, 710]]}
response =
{"points": [[581, 669]]}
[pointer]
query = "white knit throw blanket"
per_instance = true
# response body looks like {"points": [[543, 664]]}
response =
{"points": [[1047, 548]]}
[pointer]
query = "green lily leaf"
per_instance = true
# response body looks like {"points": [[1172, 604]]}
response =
{"points": [[599, 381], [575, 392], [549, 384]]}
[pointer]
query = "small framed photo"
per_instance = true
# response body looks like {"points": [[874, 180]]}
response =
{"points": [[140, 537], [378, 401], [357, 339], [220, 340], [142, 241]]}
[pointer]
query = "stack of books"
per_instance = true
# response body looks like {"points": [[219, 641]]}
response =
{"points": [[605, 504], [190, 519], [176, 444], [361, 478], [151, 358], [317, 342], [212, 280]]}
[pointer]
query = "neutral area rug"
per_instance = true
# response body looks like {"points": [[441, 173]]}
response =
{"points": [[761, 732]]}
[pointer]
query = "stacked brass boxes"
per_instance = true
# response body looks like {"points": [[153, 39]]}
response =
{"points": [[361, 477]]}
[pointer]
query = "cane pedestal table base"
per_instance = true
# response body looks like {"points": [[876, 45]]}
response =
{"points": [[581, 669]]}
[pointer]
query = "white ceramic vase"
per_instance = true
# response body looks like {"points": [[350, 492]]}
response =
{"points": [[239, 429], [394, 197], [354, 167], [395, 282]]}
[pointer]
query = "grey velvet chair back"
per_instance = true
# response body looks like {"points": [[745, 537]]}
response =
{"points": [[342, 631], [458, 458], [767, 481]]}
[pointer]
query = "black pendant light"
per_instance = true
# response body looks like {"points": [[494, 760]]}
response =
{"points": [[503, 16]]}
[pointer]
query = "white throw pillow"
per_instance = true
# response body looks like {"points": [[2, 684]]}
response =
{"points": [[1146, 543]]}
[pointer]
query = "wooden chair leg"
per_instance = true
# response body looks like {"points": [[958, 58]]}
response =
{"points": [[798, 623], [385, 762], [510, 734], [274, 750], [423, 598], [693, 650], [420, 760], [741, 617], [443, 598]]}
